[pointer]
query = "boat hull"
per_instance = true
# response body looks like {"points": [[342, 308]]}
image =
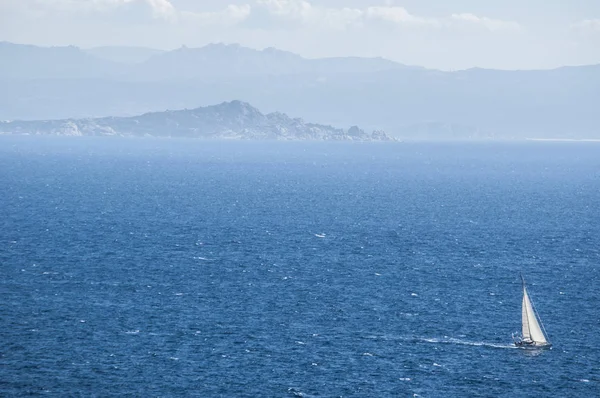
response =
{"points": [[533, 346]]}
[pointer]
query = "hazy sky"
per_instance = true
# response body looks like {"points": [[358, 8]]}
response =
{"points": [[443, 34]]}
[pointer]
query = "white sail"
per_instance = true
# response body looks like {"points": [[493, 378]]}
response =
{"points": [[531, 327]]}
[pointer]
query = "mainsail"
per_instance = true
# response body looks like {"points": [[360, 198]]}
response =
{"points": [[532, 332]]}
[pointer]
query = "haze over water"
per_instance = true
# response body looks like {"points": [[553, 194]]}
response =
{"points": [[191, 268]]}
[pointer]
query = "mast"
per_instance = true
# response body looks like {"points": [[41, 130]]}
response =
{"points": [[525, 313]]}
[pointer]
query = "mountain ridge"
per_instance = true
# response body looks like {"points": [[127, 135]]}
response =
{"points": [[145, 54], [26, 61]]}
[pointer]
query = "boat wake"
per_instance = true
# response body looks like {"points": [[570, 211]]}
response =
{"points": [[451, 340], [444, 340]]}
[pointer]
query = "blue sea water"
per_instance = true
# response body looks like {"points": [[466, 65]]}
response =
{"points": [[147, 267]]}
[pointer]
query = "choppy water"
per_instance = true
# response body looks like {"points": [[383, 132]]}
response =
{"points": [[184, 268]]}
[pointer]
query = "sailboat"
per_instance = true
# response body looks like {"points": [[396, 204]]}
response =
{"points": [[533, 336]]}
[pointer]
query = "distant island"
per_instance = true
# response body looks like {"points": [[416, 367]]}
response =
{"points": [[228, 120], [408, 102]]}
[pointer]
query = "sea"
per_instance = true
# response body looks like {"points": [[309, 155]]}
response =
{"points": [[141, 267]]}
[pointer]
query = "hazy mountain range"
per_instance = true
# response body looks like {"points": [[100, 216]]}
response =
{"points": [[125, 55], [406, 101], [229, 120], [147, 65]]}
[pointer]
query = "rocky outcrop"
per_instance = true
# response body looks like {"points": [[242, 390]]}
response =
{"points": [[229, 120]]}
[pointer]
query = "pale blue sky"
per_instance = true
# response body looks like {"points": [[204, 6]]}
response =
{"points": [[508, 34]]}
